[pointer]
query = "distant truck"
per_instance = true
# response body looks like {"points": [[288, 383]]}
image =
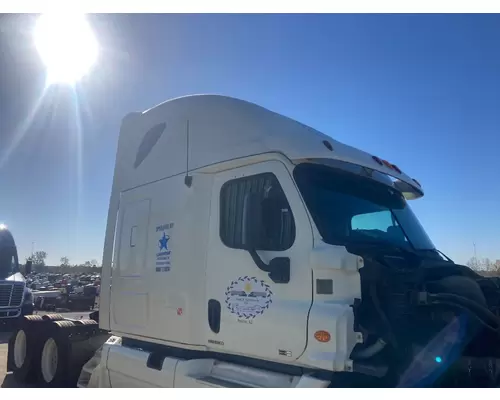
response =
{"points": [[16, 300]]}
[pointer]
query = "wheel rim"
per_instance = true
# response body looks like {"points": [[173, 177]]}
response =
{"points": [[20, 349], [49, 360]]}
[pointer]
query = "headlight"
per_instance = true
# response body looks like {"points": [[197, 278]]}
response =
{"points": [[28, 297]]}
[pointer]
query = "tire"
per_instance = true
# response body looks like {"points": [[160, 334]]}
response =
{"points": [[54, 356], [24, 354], [52, 317], [86, 322], [66, 347], [33, 318]]}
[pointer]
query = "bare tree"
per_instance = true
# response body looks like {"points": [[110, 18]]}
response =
{"points": [[484, 266], [474, 263], [39, 258], [496, 266], [487, 265], [64, 261]]}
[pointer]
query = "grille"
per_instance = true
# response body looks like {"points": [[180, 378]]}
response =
{"points": [[11, 294]]}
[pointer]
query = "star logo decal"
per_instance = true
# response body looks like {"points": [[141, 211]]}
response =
{"points": [[162, 243]]}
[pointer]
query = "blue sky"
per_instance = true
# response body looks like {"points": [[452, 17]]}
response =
{"points": [[422, 91]]}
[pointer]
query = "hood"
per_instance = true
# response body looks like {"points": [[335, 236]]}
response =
{"points": [[17, 277]]}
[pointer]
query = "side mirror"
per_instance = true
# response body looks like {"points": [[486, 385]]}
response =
{"points": [[27, 267], [253, 234], [252, 221]]}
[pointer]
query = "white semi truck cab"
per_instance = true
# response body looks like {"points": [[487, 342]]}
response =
{"points": [[227, 230], [245, 249]]}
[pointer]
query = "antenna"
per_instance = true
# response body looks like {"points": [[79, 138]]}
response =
{"points": [[188, 180]]}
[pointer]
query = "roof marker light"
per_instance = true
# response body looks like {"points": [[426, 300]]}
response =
{"points": [[395, 167], [387, 164]]}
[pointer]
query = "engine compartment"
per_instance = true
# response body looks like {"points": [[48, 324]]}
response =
{"points": [[426, 321]]}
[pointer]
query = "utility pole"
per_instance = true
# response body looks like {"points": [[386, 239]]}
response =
{"points": [[476, 261]]}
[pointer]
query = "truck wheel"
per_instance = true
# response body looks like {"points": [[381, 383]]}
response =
{"points": [[50, 361], [52, 317], [54, 356], [65, 348], [24, 355], [33, 318], [20, 345], [86, 322]]}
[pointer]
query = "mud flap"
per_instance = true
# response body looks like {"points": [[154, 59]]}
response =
{"points": [[10, 352]]}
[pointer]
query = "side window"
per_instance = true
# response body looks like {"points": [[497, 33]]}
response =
{"points": [[278, 223]]}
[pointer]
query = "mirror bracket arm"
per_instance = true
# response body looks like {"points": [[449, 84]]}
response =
{"points": [[258, 261], [278, 269]]}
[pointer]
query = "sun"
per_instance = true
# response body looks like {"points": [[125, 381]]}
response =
{"points": [[67, 46]]}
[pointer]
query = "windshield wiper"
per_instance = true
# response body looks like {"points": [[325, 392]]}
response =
{"points": [[385, 243], [444, 255], [438, 252], [401, 248], [382, 252]]}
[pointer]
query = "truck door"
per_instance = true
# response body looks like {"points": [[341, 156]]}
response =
{"points": [[248, 312]]}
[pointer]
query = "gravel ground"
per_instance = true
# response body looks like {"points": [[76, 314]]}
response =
{"points": [[6, 380]]}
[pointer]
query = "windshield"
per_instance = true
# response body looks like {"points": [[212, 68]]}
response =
{"points": [[8, 262], [349, 208]]}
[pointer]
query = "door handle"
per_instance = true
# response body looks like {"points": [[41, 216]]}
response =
{"points": [[214, 310], [155, 361]]}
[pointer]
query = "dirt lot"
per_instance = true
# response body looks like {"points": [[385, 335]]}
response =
{"points": [[6, 380]]}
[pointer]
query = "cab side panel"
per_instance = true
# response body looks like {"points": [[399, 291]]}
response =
{"points": [[158, 288]]}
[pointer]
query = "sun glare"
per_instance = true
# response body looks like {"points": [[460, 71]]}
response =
{"points": [[66, 45]]}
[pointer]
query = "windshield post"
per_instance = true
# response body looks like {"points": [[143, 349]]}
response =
{"points": [[9, 264]]}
